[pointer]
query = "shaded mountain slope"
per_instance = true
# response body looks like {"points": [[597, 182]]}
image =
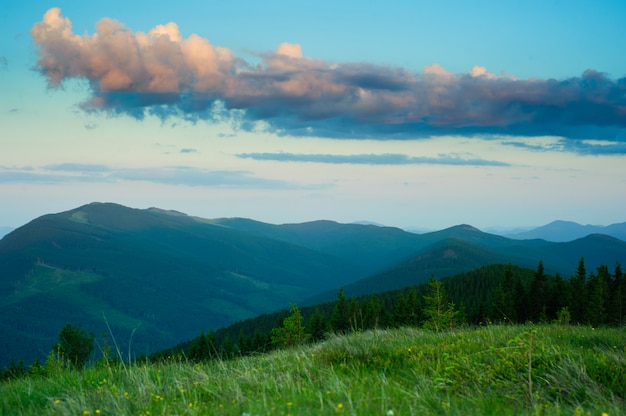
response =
{"points": [[161, 274], [464, 248], [445, 258], [157, 277], [369, 246]]}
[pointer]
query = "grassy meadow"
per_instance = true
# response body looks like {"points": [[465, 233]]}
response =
{"points": [[495, 369]]}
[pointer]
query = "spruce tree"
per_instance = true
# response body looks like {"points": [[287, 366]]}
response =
{"points": [[75, 345], [406, 312], [617, 312], [597, 293], [317, 326], [228, 348], [373, 312], [339, 319], [537, 295], [292, 332], [578, 292], [439, 314], [504, 298], [558, 296], [355, 318], [520, 298]]}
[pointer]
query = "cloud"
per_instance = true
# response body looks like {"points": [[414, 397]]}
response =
{"points": [[190, 176], [188, 150], [49, 175], [161, 73], [372, 159], [595, 147], [582, 147], [78, 167], [172, 175]]}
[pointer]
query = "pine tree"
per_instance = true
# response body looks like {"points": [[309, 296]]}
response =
{"points": [[406, 312], [292, 332], [617, 311], [196, 348], [317, 325], [339, 319], [244, 343], [620, 295], [504, 301], [537, 295], [355, 318], [373, 312], [558, 297], [228, 349], [520, 298], [75, 345], [597, 293], [438, 312], [578, 292], [261, 342]]}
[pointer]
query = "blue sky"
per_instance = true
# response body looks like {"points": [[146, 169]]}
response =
{"points": [[412, 114]]}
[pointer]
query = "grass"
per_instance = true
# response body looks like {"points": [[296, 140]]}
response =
{"points": [[523, 369]]}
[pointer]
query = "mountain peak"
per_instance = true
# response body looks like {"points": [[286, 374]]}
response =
{"points": [[467, 227], [463, 227]]}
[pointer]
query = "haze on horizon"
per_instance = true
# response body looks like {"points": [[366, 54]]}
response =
{"points": [[404, 114]]}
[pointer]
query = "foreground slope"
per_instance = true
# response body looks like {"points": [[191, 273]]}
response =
{"points": [[503, 370]]}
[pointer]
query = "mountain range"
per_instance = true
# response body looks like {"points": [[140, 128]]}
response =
{"points": [[148, 279], [562, 231], [556, 231]]}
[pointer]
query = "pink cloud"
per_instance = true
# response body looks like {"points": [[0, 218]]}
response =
{"points": [[167, 74]]}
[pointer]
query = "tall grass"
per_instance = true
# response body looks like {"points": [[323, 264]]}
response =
{"points": [[551, 370]]}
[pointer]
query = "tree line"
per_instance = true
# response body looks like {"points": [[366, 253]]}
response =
{"points": [[491, 294]]}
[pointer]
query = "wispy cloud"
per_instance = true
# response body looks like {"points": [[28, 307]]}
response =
{"points": [[172, 175], [78, 167], [164, 74], [190, 176], [581, 147], [372, 159]]}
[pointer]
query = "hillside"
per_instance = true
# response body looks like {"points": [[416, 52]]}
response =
{"points": [[370, 246], [160, 276], [492, 370], [153, 278], [463, 248]]}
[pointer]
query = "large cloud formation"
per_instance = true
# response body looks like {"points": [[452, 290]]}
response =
{"points": [[162, 73]]}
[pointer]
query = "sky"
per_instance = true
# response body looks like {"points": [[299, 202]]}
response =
{"points": [[415, 114]]}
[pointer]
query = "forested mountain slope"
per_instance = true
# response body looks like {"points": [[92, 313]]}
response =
{"points": [[157, 277], [161, 276], [463, 249]]}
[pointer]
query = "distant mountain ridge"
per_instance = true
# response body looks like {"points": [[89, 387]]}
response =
{"points": [[562, 231], [160, 276]]}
